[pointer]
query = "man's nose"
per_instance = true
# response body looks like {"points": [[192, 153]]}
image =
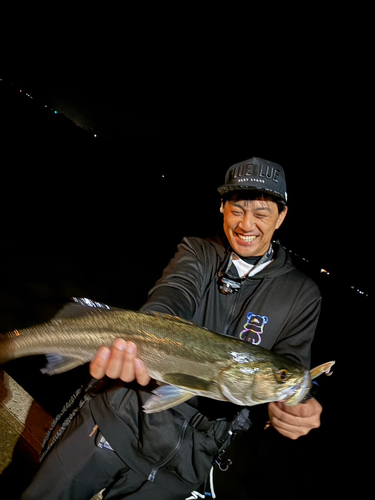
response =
{"points": [[247, 223]]}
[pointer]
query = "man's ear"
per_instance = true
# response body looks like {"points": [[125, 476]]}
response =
{"points": [[281, 217], [222, 207]]}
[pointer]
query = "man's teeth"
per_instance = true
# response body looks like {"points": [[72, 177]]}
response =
{"points": [[248, 239]]}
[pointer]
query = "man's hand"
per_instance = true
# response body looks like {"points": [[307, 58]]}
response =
{"points": [[295, 421], [119, 362]]}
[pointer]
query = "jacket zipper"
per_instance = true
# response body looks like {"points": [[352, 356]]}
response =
{"points": [[231, 312], [169, 457]]}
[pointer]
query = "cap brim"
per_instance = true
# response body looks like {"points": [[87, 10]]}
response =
{"points": [[231, 188]]}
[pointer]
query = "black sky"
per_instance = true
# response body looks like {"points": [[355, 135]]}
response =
{"points": [[189, 113]]}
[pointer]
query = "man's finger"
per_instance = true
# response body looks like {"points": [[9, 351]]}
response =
{"points": [[99, 364], [293, 422], [140, 372], [127, 372], [278, 410], [116, 359]]}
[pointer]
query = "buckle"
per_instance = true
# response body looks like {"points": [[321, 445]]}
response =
{"points": [[196, 420]]}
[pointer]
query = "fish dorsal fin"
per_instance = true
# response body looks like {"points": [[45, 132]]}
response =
{"points": [[81, 307], [83, 301]]}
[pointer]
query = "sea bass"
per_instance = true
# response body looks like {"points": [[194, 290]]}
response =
{"points": [[189, 359]]}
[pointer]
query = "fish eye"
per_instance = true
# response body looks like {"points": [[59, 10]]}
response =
{"points": [[283, 375]]}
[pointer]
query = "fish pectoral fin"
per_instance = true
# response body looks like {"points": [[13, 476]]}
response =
{"points": [[188, 381], [59, 364], [165, 397]]}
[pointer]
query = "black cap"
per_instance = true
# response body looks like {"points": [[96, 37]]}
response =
{"points": [[256, 173]]}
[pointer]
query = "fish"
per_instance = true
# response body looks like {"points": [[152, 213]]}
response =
{"points": [[184, 358]]}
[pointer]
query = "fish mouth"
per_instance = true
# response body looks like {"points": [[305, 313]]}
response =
{"points": [[295, 394]]}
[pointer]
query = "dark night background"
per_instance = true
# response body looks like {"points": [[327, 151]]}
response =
{"points": [[101, 216]]}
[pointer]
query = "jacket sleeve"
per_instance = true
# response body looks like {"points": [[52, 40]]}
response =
{"points": [[179, 290]]}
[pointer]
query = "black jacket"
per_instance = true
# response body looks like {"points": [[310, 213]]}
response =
{"points": [[278, 308]]}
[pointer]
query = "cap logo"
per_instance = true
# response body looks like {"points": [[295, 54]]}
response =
{"points": [[260, 171]]}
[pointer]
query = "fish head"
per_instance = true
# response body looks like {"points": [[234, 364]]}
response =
{"points": [[250, 381]]}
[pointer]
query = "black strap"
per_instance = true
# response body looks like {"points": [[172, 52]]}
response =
{"points": [[201, 422], [196, 420], [75, 403]]}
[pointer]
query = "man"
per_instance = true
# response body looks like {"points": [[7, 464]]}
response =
{"points": [[247, 288], [249, 226]]}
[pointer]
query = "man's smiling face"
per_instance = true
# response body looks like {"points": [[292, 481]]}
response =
{"points": [[249, 225]]}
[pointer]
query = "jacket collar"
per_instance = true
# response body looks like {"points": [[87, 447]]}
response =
{"points": [[281, 264]]}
